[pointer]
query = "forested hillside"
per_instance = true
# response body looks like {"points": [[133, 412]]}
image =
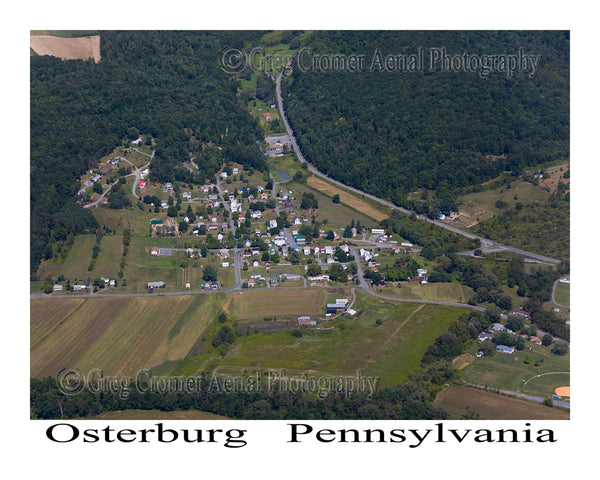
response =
{"points": [[391, 133], [165, 84]]}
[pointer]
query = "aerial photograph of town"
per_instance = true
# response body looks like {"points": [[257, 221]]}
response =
{"points": [[299, 225]]}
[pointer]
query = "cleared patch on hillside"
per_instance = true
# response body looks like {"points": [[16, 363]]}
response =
{"points": [[79, 48]]}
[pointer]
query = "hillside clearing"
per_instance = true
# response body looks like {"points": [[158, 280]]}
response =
{"points": [[78, 48]]}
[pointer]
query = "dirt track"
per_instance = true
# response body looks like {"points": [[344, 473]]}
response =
{"points": [[81, 48]]}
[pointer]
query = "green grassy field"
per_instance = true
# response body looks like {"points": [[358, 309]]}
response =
{"points": [[446, 292], [287, 163], [503, 371], [562, 293], [390, 351], [74, 266]]}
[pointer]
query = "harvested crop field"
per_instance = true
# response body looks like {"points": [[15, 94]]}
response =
{"points": [[347, 198], [491, 406], [78, 48], [275, 302], [119, 335]]}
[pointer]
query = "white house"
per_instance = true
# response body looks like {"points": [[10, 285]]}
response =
{"points": [[279, 240], [273, 224], [366, 255]]}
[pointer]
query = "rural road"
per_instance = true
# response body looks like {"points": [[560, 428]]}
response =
{"points": [[486, 244], [138, 172], [518, 394], [135, 182], [553, 291]]}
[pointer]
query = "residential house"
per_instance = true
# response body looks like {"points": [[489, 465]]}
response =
{"points": [[275, 149], [505, 349], [279, 240], [483, 336], [306, 321]]}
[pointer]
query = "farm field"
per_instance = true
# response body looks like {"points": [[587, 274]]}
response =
{"points": [[348, 199], [275, 302], [118, 335], [82, 48], [487, 405]]}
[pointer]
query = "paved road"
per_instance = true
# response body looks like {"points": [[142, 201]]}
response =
{"points": [[554, 299], [486, 244], [518, 394], [138, 172]]}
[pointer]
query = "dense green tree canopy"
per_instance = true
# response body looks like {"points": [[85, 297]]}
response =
{"points": [[392, 132]]}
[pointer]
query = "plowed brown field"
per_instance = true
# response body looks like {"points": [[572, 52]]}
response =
{"points": [[82, 48]]}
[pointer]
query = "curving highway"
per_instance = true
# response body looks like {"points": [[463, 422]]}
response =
{"points": [[486, 244]]}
